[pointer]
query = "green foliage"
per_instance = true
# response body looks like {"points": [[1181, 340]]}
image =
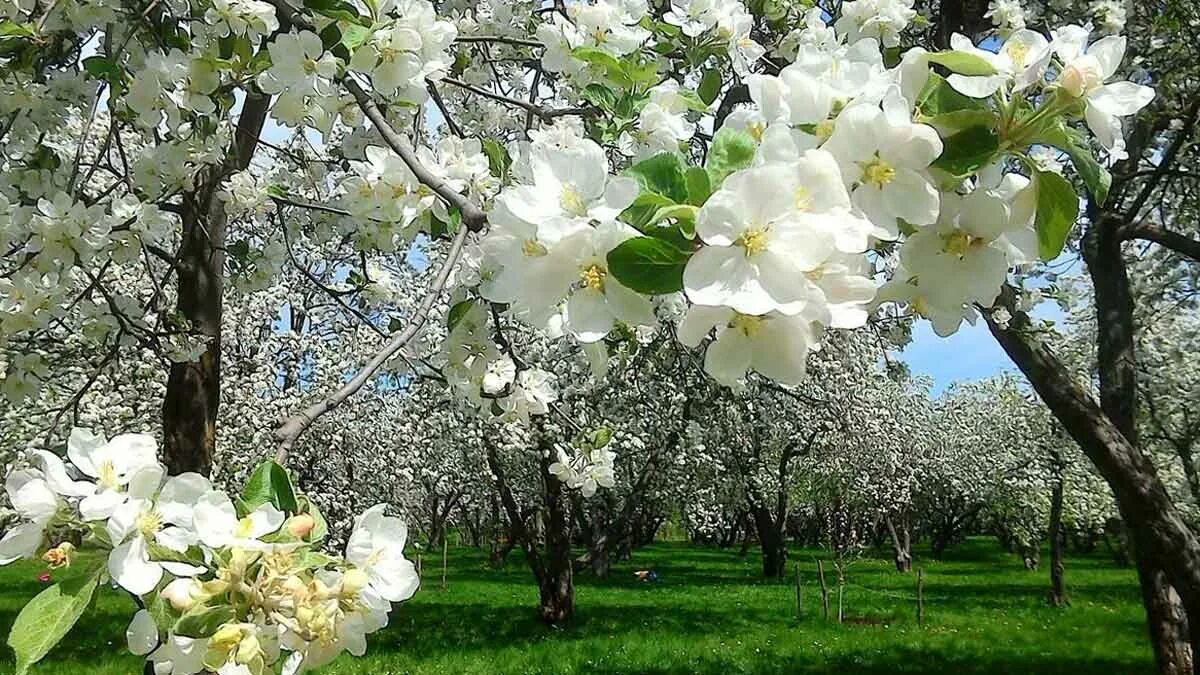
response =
{"points": [[967, 151], [710, 86], [662, 174], [732, 150], [698, 186], [1057, 210], [498, 158], [963, 63], [626, 72], [648, 265], [202, 621], [269, 483], [1096, 178], [942, 106], [49, 617], [457, 312]]}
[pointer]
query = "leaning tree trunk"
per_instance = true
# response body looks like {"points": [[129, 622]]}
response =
{"points": [[1166, 549], [193, 393], [556, 583]]}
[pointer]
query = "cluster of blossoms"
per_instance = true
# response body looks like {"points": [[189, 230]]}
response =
{"points": [[588, 466], [617, 28], [229, 585]]}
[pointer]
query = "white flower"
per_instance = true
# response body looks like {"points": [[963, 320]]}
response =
{"points": [[1022, 60], [1085, 69], [217, 524], [376, 546], [37, 504], [765, 229], [883, 19], [124, 468], [599, 299], [884, 157], [775, 345], [142, 634], [499, 374]]}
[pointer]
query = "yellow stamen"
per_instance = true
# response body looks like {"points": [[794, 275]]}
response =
{"points": [[748, 324], [804, 199], [593, 277], [148, 523], [877, 172], [571, 201], [532, 248], [754, 240], [959, 243], [107, 475]]}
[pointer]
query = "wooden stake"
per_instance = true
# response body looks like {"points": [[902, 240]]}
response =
{"points": [[799, 594], [418, 565], [841, 591], [920, 598], [444, 545], [824, 591]]}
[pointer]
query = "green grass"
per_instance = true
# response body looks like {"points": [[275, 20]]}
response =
{"points": [[710, 613]]}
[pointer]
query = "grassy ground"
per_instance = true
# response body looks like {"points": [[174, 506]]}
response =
{"points": [[710, 613]]}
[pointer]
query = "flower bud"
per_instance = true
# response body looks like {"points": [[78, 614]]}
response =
{"points": [[300, 525], [59, 556], [1078, 79], [181, 593]]}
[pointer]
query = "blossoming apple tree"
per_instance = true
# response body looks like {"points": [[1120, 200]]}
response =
{"points": [[583, 168]]}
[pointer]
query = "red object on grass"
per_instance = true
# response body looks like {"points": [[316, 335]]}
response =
{"points": [[44, 577]]}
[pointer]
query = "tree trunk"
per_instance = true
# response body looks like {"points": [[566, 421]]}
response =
{"points": [[193, 393], [770, 539], [901, 544], [1160, 533], [556, 582], [1058, 585], [1166, 619]]}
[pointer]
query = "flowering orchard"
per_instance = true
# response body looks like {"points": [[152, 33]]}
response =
{"points": [[215, 203]]}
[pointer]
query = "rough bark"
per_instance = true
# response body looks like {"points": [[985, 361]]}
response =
{"points": [[556, 582], [193, 393], [1116, 360]]}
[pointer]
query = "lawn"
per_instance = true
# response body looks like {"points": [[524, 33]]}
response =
{"points": [[710, 613]]}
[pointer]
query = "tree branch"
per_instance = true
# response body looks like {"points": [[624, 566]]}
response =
{"points": [[530, 107], [1177, 242], [297, 424]]}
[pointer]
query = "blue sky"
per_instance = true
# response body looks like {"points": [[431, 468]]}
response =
{"points": [[970, 354]]}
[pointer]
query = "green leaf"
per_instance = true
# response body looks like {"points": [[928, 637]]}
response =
{"points": [[269, 483], [610, 66], [353, 35], [710, 86], [498, 159], [312, 560], [1097, 179], [49, 617], [1057, 211], [944, 107], [963, 63], [648, 265], [684, 216], [202, 621], [698, 187], [731, 150], [457, 312], [599, 95], [641, 212], [103, 68], [662, 174], [964, 152], [163, 613], [192, 556]]}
